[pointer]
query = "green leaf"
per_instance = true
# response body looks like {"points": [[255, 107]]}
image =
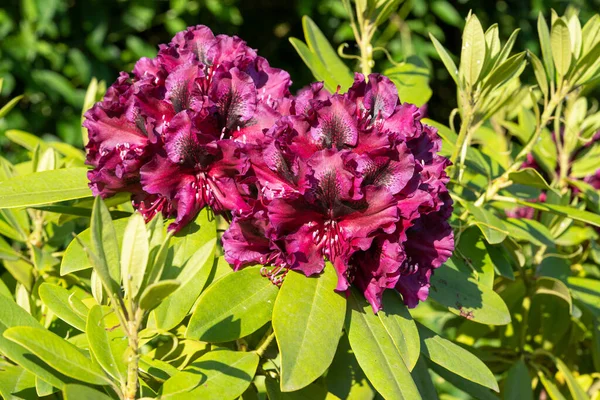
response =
{"points": [[56, 299], [455, 359], [491, 226], [193, 277], [576, 391], [544, 35], [564, 211], [551, 388], [134, 255], [445, 57], [12, 315], [105, 248], [376, 351], [412, 81], [345, 379], [17, 383], [550, 286], [319, 45], [529, 177], [472, 248], [475, 390], [423, 380], [464, 296], [80, 392], [9, 106], [517, 385], [313, 63], [501, 262], [402, 329], [313, 304], [472, 56], [529, 230], [156, 293], [560, 40], [74, 259], [505, 52], [540, 73], [511, 68], [314, 391], [233, 307], [58, 353], [107, 344], [44, 187], [221, 374]]}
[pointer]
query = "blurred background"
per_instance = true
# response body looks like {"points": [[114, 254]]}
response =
{"points": [[50, 49]]}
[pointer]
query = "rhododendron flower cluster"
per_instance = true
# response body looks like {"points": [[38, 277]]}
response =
{"points": [[173, 133], [354, 179]]}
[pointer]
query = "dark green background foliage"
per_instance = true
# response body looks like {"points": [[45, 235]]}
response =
{"points": [[50, 49]]}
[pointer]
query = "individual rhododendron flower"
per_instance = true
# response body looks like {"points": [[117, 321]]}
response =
{"points": [[351, 178], [173, 134]]}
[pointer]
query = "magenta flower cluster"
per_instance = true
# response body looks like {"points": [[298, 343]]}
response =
{"points": [[354, 178]]}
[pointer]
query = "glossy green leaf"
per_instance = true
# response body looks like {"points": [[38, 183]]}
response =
{"points": [[473, 389], [80, 392], [517, 385], [455, 359], [422, 378], [193, 277], [314, 391], [134, 255], [564, 211], [529, 177], [107, 341], [402, 329], [464, 296], [553, 287], [313, 304], [376, 351], [446, 58], [156, 293], [104, 250], [319, 45], [313, 63], [221, 374], [540, 73], [58, 353], [74, 259], [412, 81], [472, 249], [345, 379], [553, 392], [56, 298], [560, 40], [529, 230], [233, 307], [472, 56], [9, 106], [11, 315], [508, 46], [576, 390], [544, 36], [16, 383], [44, 187], [491, 226], [509, 69]]}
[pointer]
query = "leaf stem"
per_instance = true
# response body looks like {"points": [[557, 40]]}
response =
{"points": [[132, 330], [265, 342]]}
